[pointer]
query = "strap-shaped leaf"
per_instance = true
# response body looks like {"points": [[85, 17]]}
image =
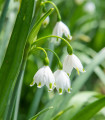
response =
{"points": [[13, 58], [41, 112], [90, 110]]}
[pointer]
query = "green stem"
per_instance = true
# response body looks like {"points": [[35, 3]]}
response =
{"points": [[58, 13], [46, 60], [40, 48], [60, 64], [70, 47]]}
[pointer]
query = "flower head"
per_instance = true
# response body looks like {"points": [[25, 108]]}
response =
{"points": [[70, 62], [46, 21], [44, 76], [60, 29], [89, 7], [62, 81]]}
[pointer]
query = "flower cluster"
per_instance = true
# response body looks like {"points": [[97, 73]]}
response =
{"points": [[60, 79]]}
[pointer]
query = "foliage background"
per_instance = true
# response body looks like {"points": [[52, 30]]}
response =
{"points": [[88, 31]]}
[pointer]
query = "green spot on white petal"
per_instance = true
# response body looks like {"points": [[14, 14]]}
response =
{"points": [[70, 37], [84, 70], [32, 83], [55, 84], [60, 91], [50, 86], [78, 71], [49, 90], [68, 74], [39, 85], [68, 90]]}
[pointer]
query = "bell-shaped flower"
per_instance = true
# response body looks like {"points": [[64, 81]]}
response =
{"points": [[89, 7], [44, 76], [46, 21], [60, 29], [70, 62], [62, 81]]}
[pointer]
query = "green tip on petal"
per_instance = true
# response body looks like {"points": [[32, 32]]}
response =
{"points": [[50, 86], [60, 91], [32, 84], [39, 85], [49, 90], [78, 71], [68, 90], [55, 84], [84, 70], [70, 37], [44, 24], [68, 74]]}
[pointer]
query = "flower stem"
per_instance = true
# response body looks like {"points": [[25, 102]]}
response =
{"points": [[46, 60], [58, 13], [59, 62], [69, 46], [40, 48]]}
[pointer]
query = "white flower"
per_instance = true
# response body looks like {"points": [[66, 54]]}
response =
{"points": [[60, 29], [70, 62], [62, 81], [79, 2], [89, 7], [44, 76], [46, 21]]}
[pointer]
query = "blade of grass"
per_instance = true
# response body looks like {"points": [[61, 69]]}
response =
{"points": [[41, 112], [13, 58], [35, 102], [61, 113], [90, 110], [2, 17]]}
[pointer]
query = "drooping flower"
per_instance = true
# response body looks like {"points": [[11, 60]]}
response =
{"points": [[46, 21], [60, 29], [44, 76], [89, 7], [79, 2], [62, 81], [72, 61]]}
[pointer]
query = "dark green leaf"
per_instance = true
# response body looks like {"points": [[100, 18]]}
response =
{"points": [[13, 58], [41, 112], [90, 110]]}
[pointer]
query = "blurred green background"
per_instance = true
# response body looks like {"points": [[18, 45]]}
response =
{"points": [[86, 21]]}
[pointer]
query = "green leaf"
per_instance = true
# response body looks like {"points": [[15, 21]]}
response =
{"points": [[99, 72], [35, 103], [61, 113], [41, 112], [13, 58], [78, 101], [2, 17], [36, 27], [90, 110]]}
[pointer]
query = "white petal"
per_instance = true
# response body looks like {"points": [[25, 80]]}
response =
{"points": [[50, 79], [46, 21], [67, 65], [60, 29], [44, 76], [61, 80], [89, 7], [65, 29], [77, 63], [68, 85]]}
